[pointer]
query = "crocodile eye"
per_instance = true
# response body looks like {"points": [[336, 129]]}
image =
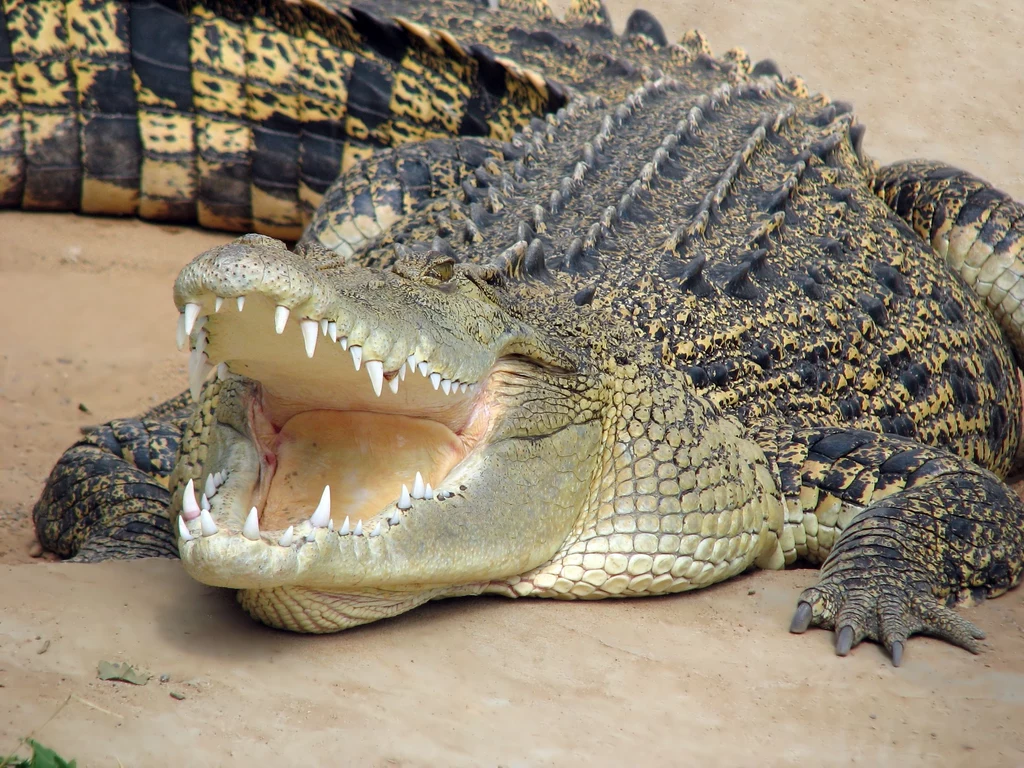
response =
{"points": [[439, 271]]}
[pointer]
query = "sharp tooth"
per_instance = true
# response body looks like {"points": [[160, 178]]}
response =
{"points": [[404, 502], [395, 519], [308, 328], [240, 301], [417, 486], [218, 303], [222, 371], [330, 525], [211, 485], [358, 530], [463, 387], [189, 506], [323, 325], [332, 331], [204, 503], [191, 313], [393, 384], [311, 536], [375, 531], [201, 341], [322, 514], [183, 530], [401, 372], [181, 337], [251, 529], [423, 368], [344, 343], [218, 479], [428, 492], [357, 355], [281, 318], [286, 537], [376, 370], [344, 530], [446, 386], [198, 369], [411, 360], [435, 380], [206, 523]]}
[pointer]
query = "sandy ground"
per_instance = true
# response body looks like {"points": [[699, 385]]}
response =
{"points": [[710, 677]]}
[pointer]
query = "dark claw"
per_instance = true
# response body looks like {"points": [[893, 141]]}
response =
{"points": [[844, 641], [897, 654], [801, 619]]}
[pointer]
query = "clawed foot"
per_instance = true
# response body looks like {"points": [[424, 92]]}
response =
{"points": [[880, 607]]}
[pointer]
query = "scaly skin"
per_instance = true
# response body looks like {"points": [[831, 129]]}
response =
{"points": [[685, 337]]}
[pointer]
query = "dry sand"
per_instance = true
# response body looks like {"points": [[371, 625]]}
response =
{"points": [[706, 678]]}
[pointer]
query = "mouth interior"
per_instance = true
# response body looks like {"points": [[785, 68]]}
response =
{"points": [[364, 457], [316, 421]]}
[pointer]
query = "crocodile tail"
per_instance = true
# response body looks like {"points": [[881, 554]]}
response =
{"points": [[977, 229], [236, 116]]}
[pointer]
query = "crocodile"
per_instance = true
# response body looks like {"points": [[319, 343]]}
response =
{"points": [[582, 316]]}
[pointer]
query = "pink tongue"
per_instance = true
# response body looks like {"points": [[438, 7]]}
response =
{"points": [[364, 457]]}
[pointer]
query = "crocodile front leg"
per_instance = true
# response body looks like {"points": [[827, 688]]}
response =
{"points": [[106, 498], [916, 530]]}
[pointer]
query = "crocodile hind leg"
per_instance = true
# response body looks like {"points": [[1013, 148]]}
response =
{"points": [[106, 498], [975, 227], [906, 531]]}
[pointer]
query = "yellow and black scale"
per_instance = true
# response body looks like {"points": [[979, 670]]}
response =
{"points": [[698, 215]]}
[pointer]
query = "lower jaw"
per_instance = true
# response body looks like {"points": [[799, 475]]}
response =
{"points": [[302, 609]]}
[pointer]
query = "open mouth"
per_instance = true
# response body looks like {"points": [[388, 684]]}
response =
{"points": [[337, 431]]}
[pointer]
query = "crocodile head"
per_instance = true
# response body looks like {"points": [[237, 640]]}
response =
{"points": [[374, 438]]}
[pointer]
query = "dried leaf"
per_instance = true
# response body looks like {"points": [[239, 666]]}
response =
{"points": [[109, 670]]}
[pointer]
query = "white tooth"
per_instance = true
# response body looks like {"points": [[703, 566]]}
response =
{"points": [[435, 380], [344, 343], [375, 531], [206, 523], [394, 519], [357, 355], [424, 369], [428, 492], [240, 301], [376, 370], [463, 387], [211, 485], [308, 328], [393, 384], [446, 386], [322, 513], [417, 486], [189, 506], [204, 503], [201, 341], [404, 502], [323, 325], [344, 530], [251, 529], [191, 313], [286, 537], [411, 360], [222, 371], [218, 303], [183, 530], [311, 536], [281, 318], [181, 337], [198, 369], [332, 331], [358, 530], [330, 525], [218, 479], [401, 372]]}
